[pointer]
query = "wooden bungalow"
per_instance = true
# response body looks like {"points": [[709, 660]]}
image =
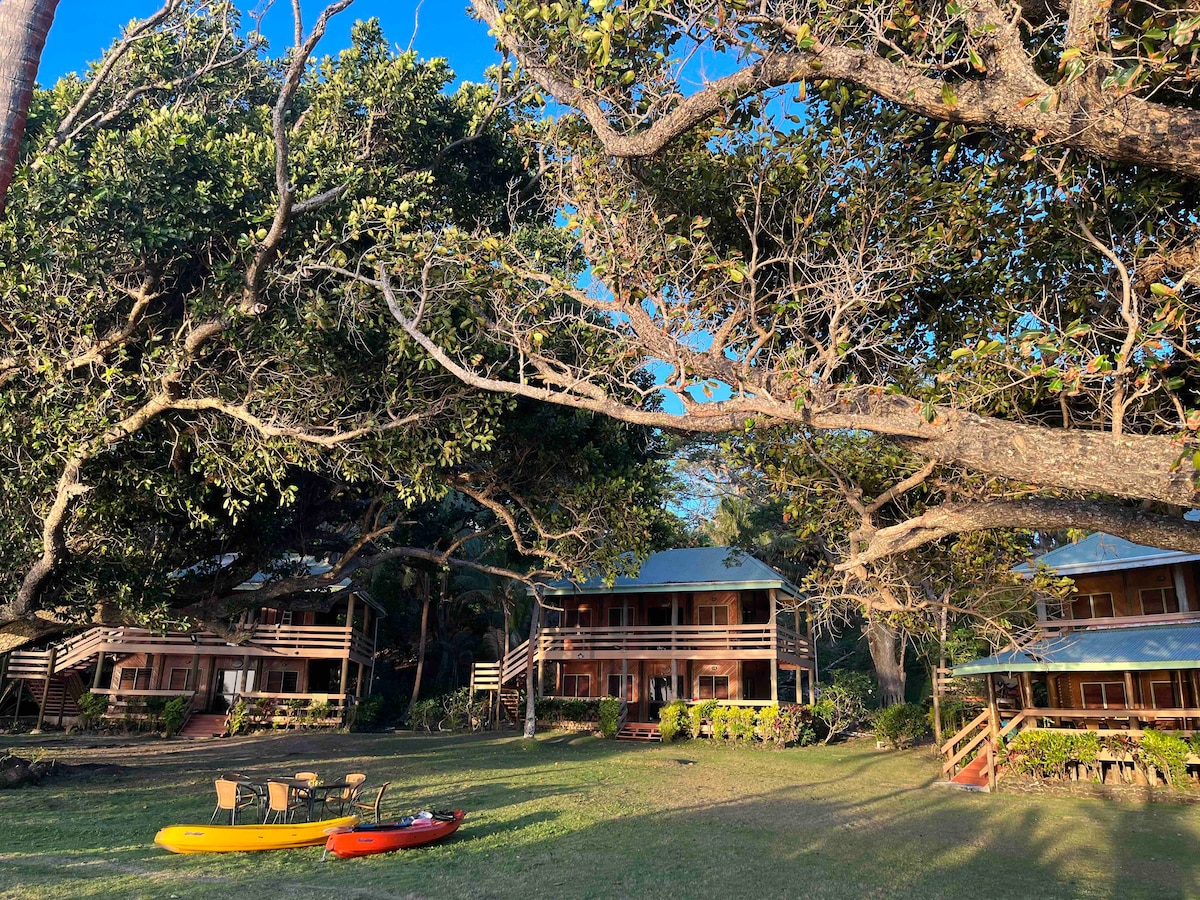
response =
{"points": [[696, 624], [1122, 654], [281, 662]]}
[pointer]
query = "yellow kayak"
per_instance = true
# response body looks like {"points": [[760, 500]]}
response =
{"points": [[234, 838]]}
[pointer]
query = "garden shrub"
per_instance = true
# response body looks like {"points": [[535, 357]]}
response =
{"points": [[1166, 752], [720, 719], [740, 723], [369, 713], [901, 725], [92, 708], [767, 721], [239, 718], [172, 716], [610, 716], [671, 720], [1047, 754], [424, 715], [698, 715]]}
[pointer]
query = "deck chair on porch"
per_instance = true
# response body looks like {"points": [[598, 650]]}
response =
{"points": [[231, 797]]}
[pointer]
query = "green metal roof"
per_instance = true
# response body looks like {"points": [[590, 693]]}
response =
{"points": [[688, 569], [1135, 648], [1100, 552]]}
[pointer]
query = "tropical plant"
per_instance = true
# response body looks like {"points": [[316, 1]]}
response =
{"points": [[901, 725], [609, 716], [672, 719]]}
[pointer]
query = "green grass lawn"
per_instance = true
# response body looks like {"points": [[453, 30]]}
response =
{"points": [[571, 816]]}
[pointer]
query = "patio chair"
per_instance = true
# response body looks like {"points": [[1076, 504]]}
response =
{"points": [[310, 777], [349, 794], [232, 797], [280, 803], [373, 807]]}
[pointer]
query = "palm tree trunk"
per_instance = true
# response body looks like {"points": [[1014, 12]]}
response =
{"points": [[421, 643], [535, 621], [24, 25]]}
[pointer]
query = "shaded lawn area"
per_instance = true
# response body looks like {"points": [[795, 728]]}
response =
{"points": [[574, 816]]}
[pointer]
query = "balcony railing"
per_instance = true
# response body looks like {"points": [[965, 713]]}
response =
{"points": [[300, 641], [667, 642], [1059, 626]]}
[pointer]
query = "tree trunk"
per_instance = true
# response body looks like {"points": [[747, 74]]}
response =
{"points": [[535, 621], [24, 25], [421, 645], [888, 659]]}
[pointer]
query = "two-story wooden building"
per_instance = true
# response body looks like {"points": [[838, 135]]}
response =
{"points": [[694, 624], [1122, 653], [272, 658]]}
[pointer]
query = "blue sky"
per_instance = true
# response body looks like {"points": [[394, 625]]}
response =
{"points": [[84, 28]]}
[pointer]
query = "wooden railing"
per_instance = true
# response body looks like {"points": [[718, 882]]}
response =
{"points": [[1127, 720], [264, 640], [645, 642], [1056, 626], [664, 642], [974, 733]]}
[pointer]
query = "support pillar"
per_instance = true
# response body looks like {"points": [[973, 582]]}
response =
{"points": [[20, 697], [96, 678], [1026, 690], [774, 660], [193, 683], [359, 682], [41, 716], [1132, 700]]}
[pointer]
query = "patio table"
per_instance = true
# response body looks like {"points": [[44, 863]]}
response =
{"points": [[308, 792]]}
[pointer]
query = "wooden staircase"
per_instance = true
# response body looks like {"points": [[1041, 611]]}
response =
{"points": [[203, 725], [973, 776], [510, 706], [639, 731]]}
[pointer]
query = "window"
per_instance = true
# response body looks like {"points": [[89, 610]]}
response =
{"points": [[658, 616], [712, 615], [614, 687], [178, 680], [283, 681], [1103, 695], [1158, 601], [1163, 695], [714, 687], [135, 679], [1092, 606], [577, 685], [577, 618], [617, 620]]}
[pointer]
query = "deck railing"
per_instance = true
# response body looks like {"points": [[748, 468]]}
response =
{"points": [[646, 642], [306, 641], [1052, 627], [664, 642]]}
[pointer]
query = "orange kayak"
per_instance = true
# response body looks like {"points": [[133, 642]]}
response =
{"points": [[365, 840]]}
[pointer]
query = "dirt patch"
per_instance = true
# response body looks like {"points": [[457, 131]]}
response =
{"points": [[17, 771]]}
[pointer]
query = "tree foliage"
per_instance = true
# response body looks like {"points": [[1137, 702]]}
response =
{"points": [[184, 372]]}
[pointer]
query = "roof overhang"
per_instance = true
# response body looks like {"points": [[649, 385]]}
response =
{"points": [[681, 587]]}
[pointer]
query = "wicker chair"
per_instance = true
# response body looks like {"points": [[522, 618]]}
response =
{"points": [[280, 803], [349, 794], [373, 807], [231, 797]]}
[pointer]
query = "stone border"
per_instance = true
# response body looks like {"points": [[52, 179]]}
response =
{"points": [[1128, 793]]}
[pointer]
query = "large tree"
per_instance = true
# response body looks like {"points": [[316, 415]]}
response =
{"points": [[185, 372], [965, 228]]}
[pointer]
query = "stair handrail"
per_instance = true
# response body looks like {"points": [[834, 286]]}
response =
{"points": [[623, 715], [982, 725]]}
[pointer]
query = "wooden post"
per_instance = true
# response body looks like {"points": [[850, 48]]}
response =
{"points": [[359, 682], [3, 667], [245, 680], [813, 673], [20, 696], [939, 668], [194, 676], [1132, 700], [99, 670], [375, 652], [41, 716], [674, 630], [1026, 690]]}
